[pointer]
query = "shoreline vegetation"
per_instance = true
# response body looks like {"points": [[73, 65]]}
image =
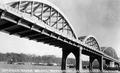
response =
{"points": [[15, 59], [11, 58]]}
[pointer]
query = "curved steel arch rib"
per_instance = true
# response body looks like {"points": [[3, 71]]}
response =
{"points": [[47, 13], [110, 51], [91, 41]]}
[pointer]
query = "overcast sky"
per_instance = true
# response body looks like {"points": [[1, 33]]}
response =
{"points": [[100, 18]]}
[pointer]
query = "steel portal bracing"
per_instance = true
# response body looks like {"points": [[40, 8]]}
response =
{"points": [[20, 20]]}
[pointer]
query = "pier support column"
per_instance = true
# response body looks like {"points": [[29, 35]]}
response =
{"points": [[90, 63], [65, 53], [100, 59], [118, 64], [107, 63], [78, 59]]}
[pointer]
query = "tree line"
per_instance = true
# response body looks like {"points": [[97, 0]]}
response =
{"points": [[21, 57], [16, 57]]}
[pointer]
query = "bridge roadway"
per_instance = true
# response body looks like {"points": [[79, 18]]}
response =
{"points": [[17, 23]]}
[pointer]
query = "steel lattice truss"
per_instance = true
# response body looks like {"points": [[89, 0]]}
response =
{"points": [[91, 41], [46, 14]]}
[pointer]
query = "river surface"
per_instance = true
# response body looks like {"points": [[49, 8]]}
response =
{"points": [[7, 68], [49, 71]]}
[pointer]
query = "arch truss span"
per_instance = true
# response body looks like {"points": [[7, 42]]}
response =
{"points": [[110, 52], [91, 41], [47, 13]]}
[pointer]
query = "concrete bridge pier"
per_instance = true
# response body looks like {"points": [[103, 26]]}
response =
{"points": [[107, 62], [65, 53], [100, 60], [77, 53], [78, 59], [116, 64], [92, 58]]}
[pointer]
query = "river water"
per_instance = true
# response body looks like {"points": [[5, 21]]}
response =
{"points": [[9, 68], [49, 71]]}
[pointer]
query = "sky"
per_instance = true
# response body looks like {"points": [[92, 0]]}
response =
{"points": [[100, 18]]}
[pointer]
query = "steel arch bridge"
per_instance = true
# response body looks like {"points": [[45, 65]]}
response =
{"points": [[91, 41], [44, 22], [37, 20], [51, 16], [47, 13]]}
